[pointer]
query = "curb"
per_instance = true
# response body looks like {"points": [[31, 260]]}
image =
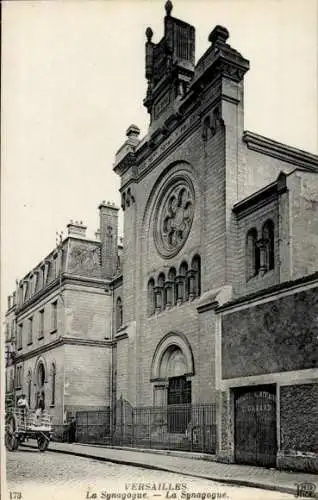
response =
{"points": [[237, 482], [170, 453]]}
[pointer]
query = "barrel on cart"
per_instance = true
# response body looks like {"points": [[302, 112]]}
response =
{"points": [[22, 424]]}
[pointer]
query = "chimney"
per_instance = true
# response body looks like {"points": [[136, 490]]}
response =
{"points": [[76, 229], [97, 235], [109, 237]]}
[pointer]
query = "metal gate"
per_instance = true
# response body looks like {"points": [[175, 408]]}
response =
{"points": [[255, 426]]}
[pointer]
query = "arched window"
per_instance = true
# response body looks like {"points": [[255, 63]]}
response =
{"points": [[53, 377], [41, 375], [172, 291], [196, 267], [183, 288], [161, 294], [150, 297], [119, 313], [268, 237], [252, 254], [40, 391]]}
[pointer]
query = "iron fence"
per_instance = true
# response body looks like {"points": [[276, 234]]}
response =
{"points": [[186, 427], [93, 426]]}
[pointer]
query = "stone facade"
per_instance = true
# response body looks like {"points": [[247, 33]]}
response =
{"points": [[213, 214], [62, 315]]}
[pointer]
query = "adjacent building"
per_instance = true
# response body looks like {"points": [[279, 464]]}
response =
{"points": [[61, 323]]}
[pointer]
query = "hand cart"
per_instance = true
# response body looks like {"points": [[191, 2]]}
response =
{"points": [[22, 424]]}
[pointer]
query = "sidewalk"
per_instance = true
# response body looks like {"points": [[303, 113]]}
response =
{"points": [[241, 475]]}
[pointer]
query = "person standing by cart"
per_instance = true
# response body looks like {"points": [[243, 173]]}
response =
{"points": [[24, 407]]}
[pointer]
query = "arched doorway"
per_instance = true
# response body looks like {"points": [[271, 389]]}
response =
{"points": [[171, 370]]}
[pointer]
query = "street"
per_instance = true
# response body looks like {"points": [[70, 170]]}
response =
{"points": [[56, 476]]}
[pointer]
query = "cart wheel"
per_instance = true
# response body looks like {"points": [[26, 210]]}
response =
{"points": [[11, 441], [43, 443]]}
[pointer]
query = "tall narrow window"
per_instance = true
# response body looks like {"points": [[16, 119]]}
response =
{"points": [[196, 266], [41, 324], [161, 285], [268, 237], [13, 324], [119, 313], [19, 339], [252, 254], [29, 380], [7, 330], [183, 286], [171, 291], [53, 377], [19, 377], [30, 330], [54, 316], [150, 297]]}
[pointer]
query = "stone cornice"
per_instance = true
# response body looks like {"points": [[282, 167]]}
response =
{"points": [[59, 283], [312, 279], [84, 280], [38, 296], [11, 310], [261, 197], [121, 333], [117, 281], [213, 298], [62, 341], [281, 151], [121, 336], [220, 59], [169, 145]]}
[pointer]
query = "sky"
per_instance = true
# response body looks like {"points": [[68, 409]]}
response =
{"points": [[73, 81]]}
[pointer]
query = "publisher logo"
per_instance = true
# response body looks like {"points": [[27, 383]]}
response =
{"points": [[305, 490]]}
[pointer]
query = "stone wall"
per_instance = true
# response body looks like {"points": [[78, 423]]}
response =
{"points": [[298, 427], [279, 335], [299, 415], [87, 379]]}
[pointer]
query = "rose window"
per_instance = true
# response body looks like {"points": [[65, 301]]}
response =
{"points": [[174, 217]]}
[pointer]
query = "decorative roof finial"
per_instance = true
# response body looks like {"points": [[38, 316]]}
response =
{"points": [[149, 34], [219, 34], [168, 7]]}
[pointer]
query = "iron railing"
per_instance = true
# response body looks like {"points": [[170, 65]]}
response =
{"points": [[186, 427], [93, 426]]}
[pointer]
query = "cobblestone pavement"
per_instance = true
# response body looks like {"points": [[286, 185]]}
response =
{"points": [[55, 476]]}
